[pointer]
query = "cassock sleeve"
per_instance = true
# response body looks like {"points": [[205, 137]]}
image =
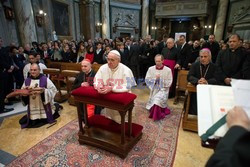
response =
{"points": [[232, 150], [192, 75]]}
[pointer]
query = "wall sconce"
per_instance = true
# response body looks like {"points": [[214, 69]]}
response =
{"points": [[154, 28], [97, 27], [40, 18], [208, 26]]}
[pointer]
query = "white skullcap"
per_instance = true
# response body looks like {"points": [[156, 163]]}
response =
{"points": [[115, 52]]}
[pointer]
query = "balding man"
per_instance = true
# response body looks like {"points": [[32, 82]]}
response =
{"points": [[84, 79], [201, 72], [230, 61], [172, 60], [114, 77], [41, 109]]}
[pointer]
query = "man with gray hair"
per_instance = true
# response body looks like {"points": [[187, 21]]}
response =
{"points": [[201, 72], [114, 77]]}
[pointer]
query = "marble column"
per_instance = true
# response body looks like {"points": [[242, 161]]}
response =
{"points": [[202, 24], [25, 21], [105, 19], [145, 18], [87, 19], [220, 20]]}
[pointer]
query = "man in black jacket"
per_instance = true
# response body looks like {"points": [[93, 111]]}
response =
{"points": [[214, 47], [86, 78], [185, 52], [234, 148], [230, 61]]}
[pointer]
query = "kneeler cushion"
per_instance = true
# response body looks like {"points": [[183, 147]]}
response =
{"points": [[102, 122], [120, 98]]}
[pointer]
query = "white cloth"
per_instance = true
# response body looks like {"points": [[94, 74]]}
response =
{"points": [[26, 69], [121, 79], [158, 92], [36, 105]]}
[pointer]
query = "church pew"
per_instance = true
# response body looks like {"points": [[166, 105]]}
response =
{"points": [[187, 122]]}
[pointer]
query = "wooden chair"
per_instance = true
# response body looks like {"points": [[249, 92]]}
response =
{"points": [[189, 123], [181, 84], [54, 76]]}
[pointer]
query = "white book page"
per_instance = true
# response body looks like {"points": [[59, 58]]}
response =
{"points": [[241, 91], [222, 101]]}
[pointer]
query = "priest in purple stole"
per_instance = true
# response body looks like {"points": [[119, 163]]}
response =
{"points": [[41, 108], [159, 80]]}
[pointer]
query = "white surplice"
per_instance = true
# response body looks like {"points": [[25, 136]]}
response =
{"points": [[36, 105], [158, 91]]}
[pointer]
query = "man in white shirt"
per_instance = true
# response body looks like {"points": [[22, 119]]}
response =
{"points": [[32, 59]]}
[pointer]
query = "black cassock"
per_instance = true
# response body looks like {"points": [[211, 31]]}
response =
{"points": [[196, 72]]}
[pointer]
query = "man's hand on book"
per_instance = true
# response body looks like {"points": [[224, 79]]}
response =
{"points": [[238, 117], [227, 81], [202, 81]]}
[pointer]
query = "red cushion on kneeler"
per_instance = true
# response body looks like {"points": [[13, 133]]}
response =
{"points": [[102, 122], [120, 98]]}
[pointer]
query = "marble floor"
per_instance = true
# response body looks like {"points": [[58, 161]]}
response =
{"points": [[16, 141]]}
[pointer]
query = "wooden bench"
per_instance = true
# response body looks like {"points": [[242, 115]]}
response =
{"points": [[94, 132], [187, 122]]}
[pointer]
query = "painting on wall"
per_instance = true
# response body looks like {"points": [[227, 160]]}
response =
{"points": [[61, 18]]}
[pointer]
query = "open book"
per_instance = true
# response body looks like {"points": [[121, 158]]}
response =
{"points": [[215, 101]]}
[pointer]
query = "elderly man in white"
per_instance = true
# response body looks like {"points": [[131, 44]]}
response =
{"points": [[158, 79], [114, 77]]}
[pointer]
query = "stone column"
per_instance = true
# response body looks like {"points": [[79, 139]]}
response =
{"points": [[145, 17], [25, 21], [220, 20], [202, 24], [87, 19], [105, 19]]}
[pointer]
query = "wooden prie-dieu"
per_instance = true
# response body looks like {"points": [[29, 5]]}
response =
{"points": [[103, 132]]}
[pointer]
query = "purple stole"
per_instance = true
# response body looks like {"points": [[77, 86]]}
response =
{"points": [[170, 64], [47, 107]]}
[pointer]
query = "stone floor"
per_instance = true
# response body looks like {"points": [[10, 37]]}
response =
{"points": [[16, 141]]}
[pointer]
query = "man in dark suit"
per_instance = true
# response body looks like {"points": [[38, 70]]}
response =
{"points": [[86, 78], [133, 59], [185, 52], [213, 45], [163, 43], [6, 68], [234, 148], [98, 55]]}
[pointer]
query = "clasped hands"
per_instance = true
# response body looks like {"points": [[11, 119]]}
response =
{"points": [[104, 89], [202, 81], [34, 90]]}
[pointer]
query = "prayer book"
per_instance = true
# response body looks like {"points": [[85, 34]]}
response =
{"points": [[215, 101]]}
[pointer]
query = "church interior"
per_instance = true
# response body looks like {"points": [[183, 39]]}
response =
{"points": [[56, 30]]}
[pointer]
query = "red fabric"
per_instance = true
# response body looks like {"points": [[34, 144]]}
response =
{"points": [[90, 56], [91, 110], [157, 113], [170, 64], [120, 98], [102, 122]]}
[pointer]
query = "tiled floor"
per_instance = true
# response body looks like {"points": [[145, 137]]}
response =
{"points": [[16, 141]]}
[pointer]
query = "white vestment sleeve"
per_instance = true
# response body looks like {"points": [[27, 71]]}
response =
{"points": [[50, 92]]}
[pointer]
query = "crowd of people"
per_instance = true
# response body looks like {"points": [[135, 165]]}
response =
{"points": [[138, 55]]}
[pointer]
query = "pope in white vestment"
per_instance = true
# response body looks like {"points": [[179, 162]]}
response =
{"points": [[114, 77], [41, 99], [159, 80]]}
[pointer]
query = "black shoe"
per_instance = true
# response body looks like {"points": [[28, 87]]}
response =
{"points": [[7, 110]]}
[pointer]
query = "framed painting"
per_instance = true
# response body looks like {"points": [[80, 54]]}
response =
{"points": [[61, 18]]}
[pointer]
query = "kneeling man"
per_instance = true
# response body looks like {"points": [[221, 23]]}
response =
{"points": [[158, 79], [114, 77], [40, 101]]}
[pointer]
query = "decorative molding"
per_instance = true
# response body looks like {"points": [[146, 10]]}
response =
{"points": [[181, 8], [242, 15], [88, 2]]}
